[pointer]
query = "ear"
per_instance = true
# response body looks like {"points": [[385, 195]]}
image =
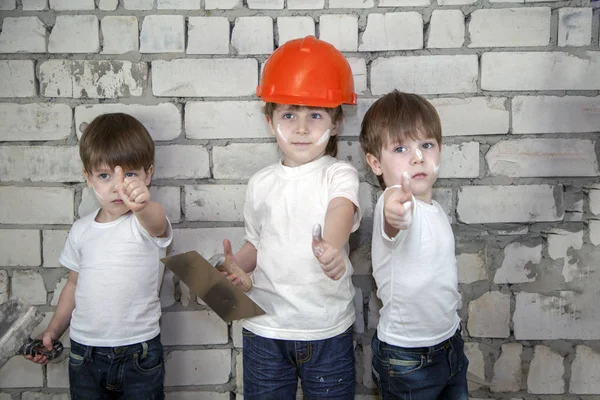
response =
{"points": [[336, 127], [374, 164], [271, 127], [149, 175], [88, 178]]}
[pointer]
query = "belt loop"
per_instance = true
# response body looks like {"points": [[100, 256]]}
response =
{"points": [[144, 350], [88, 353]]}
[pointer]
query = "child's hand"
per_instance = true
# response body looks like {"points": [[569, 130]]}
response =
{"points": [[397, 207], [330, 257], [133, 191], [47, 338], [230, 269]]}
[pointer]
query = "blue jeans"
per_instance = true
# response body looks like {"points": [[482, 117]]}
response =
{"points": [[272, 367], [133, 372], [422, 373]]}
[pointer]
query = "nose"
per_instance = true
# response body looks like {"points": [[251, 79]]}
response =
{"points": [[417, 157], [302, 127]]}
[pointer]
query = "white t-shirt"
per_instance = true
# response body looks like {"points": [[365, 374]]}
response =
{"points": [[282, 206], [116, 297], [416, 278]]}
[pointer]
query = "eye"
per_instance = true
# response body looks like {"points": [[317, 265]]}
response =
{"points": [[399, 149], [315, 116], [130, 174], [428, 145], [287, 116], [103, 176]]}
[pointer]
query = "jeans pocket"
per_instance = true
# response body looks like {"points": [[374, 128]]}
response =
{"points": [[402, 364], [150, 362], [247, 333], [77, 355]]}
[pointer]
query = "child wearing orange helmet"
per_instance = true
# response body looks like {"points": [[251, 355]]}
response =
{"points": [[301, 278]]}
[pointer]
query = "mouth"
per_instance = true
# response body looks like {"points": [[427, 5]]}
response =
{"points": [[301, 144], [420, 175], [117, 201]]}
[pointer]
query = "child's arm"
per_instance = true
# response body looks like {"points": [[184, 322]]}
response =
{"points": [[397, 207], [245, 258], [61, 318], [136, 197], [339, 220]]}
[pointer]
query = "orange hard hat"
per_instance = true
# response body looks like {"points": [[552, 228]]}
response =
{"points": [[307, 72]]}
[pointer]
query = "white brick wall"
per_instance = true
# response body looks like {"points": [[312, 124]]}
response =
{"points": [[515, 83]]}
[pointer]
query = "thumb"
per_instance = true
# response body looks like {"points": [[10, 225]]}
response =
{"points": [[406, 183], [119, 176], [317, 240], [47, 341], [227, 252]]}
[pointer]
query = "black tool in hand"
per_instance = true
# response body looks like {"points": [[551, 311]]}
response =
{"points": [[33, 347]]}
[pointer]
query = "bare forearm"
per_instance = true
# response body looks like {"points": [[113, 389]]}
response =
{"points": [[338, 222], [66, 304], [246, 257], [153, 219]]}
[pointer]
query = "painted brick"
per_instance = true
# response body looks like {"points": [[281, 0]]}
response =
{"points": [[138, 4], [208, 35], [178, 5], [226, 160], [28, 286], [559, 243], [367, 359], [574, 26], [455, 2], [222, 4], [181, 162], [460, 160], [66, 5], [40, 164], [197, 367], [568, 315], [359, 324], [35, 122], [253, 35], [507, 369], [471, 267], [425, 74], [472, 115], [8, 4], [519, 203], [549, 114], [366, 196], [351, 4], [543, 158], [215, 202], [18, 79], [517, 259], [265, 4], [75, 34], [540, 71], [546, 372], [23, 35], [120, 34], [236, 334], [353, 116], [20, 247], [289, 28], [489, 316], [52, 244], [594, 226], [92, 79], [510, 27], [108, 5], [404, 3], [58, 374], [305, 4], [21, 373], [36, 205], [340, 30], [446, 29], [225, 120], [594, 200], [206, 241], [163, 34], [351, 152], [4, 286], [359, 72], [44, 396], [476, 363], [35, 5], [163, 121], [192, 328], [393, 31], [204, 78], [585, 371]]}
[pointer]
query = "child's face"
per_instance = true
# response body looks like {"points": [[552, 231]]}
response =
{"points": [[302, 133], [103, 182], [420, 158]]}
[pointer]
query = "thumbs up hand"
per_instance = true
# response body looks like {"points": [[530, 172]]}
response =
{"points": [[132, 190], [397, 207], [331, 259]]}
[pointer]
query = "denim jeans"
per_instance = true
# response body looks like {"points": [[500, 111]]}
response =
{"points": [[272, 367], [133, 372], [423, 373]]}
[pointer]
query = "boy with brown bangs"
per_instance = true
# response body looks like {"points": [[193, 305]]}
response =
{"points": [[418, 351], [111, 298]]}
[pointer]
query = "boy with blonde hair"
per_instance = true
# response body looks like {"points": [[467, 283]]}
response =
{"points": [[111, 297], [418, 351]]}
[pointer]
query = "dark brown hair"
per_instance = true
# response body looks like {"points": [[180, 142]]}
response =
{"points": [[116, 139], [395, 117], [336, 114]]}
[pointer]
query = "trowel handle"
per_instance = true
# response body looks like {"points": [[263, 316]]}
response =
{"points": [[35, 347]]}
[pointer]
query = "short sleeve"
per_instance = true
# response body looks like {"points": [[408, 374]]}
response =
{"points": [[344, 183], [161, 242], [251, 225], [70, 256]]}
